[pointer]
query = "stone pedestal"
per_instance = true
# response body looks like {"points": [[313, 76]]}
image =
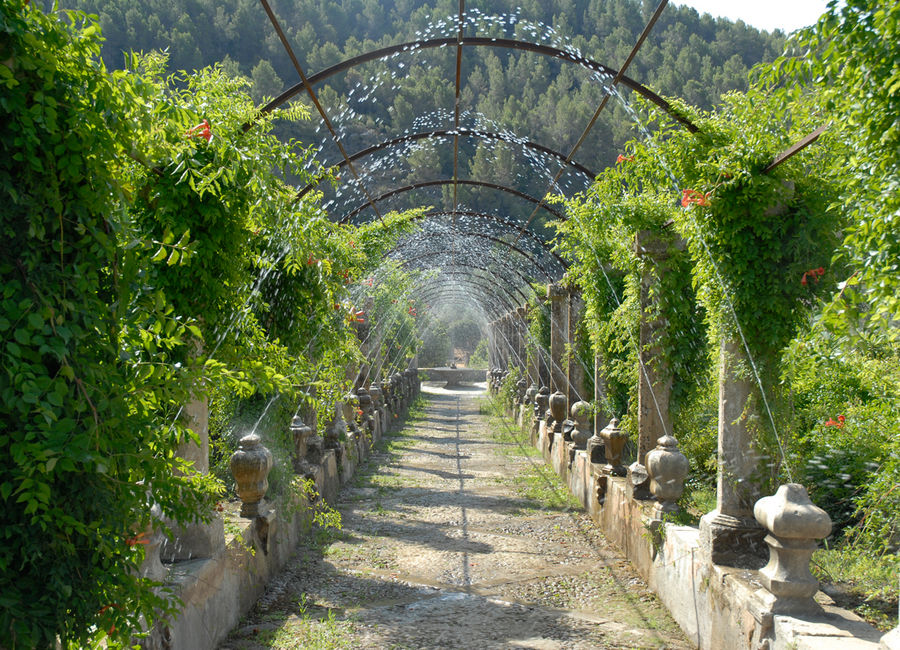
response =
{"points": [[794, 524]]}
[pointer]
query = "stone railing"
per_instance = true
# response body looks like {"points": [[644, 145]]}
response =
{"points": [[219, 571], [739, 580]]}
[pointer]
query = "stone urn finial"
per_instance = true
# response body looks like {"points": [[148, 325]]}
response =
{"points": [[581, 413], [794, 524], [541, 402], [558, 410], [250, 465], [300, 433], [667, 468], [614, 443]]}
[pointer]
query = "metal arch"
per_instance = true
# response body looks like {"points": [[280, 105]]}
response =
{"points": [[469, 278], [438, 133], [531, 258], [449, 181], [523, 279], [436, 295], [473, 293], [509, 288], [481, 295], [478, 41], [458, 296], [505, 222]]}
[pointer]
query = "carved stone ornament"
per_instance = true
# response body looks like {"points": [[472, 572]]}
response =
{"points": [[794, 524], [667, 468], [581, 413], [558, 410], [250, 466], [614, 443]]}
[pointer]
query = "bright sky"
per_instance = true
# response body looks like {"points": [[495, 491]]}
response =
{"points": [[786, 15]]}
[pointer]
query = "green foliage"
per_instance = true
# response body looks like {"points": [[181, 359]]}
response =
{"points": [[845, 423], [435, 346], [152, 254], [849, 60], [479, 358]]}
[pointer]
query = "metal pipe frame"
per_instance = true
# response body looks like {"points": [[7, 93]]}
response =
{"points": [[475, 41], [534, 262], [439, 133], [449, 181]]}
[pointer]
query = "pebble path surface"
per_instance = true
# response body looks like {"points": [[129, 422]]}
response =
{"points": [[456, 535]]}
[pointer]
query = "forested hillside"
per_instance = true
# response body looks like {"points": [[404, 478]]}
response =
{"points": [[541, 99]]}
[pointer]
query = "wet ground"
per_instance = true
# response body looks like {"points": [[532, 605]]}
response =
{"points": [[456, 535]]}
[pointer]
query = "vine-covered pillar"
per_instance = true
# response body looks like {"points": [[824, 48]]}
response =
{"points": [[574, 369], [654, 374], [601, 415], [492, 344], [559, 329], [731, 530], [532, 354], [503, 342], [521, 336], [195, 540]]}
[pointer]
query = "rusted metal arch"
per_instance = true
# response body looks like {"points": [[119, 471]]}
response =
{"points": [[524, 253], [438, 133], [491, 303], [480, 41], [458, 296], [511, 288], [483, 283], [505, 222], [450, 181], [523, 279], [472, 293]]}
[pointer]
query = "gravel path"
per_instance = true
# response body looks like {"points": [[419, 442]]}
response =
{"points": [[456, 536]]}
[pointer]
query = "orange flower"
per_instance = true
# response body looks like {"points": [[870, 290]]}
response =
{"points": [[689, 197], [620, 159], [201, 130]]}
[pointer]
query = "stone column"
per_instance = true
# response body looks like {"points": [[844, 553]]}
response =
{"points": [[601, 417], [558, 336], [195, 540], [521, 337], [654, 376], [730, 532], [574, 369]]}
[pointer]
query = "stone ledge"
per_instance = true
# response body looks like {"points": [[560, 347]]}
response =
{"points": [[716, 606], [217, 591]]}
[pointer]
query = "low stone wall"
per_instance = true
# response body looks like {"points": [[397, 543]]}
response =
{"points": [[217, 591], [452, 376], [716, 606]]}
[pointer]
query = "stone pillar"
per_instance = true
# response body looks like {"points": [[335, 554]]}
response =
{"points": [[559, 329], [509, 341], [195, 540], [654, 376], [492, 344], [729, 533], [574, 369], [601, 417], [521, 337]]}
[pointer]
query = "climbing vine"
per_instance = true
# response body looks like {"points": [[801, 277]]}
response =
{"points": [[152, 254]]}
